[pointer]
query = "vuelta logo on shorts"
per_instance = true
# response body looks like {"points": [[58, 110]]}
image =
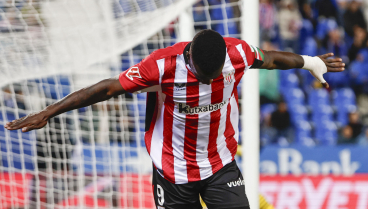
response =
{"points": [[186, 109], [236, 183]]}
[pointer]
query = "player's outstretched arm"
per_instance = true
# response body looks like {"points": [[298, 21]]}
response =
{"points": [[316, 65], [98, 92]]}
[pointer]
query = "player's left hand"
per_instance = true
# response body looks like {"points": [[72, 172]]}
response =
{"points": [[28, 123], [333, 65]]}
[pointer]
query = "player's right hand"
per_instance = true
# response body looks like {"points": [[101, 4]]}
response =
{"points": [[29, 122], [332, 65]]}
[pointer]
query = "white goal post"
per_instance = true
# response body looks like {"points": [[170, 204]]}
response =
{"points": [[95, 157]]}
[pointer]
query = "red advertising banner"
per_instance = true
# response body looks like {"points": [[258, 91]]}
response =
{"points": [[14, 190], [134, 191], [316, 192]]}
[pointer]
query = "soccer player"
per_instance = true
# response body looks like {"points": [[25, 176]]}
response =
{"points": [[192, 116]]}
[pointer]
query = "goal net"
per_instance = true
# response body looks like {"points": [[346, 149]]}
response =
{"points": [[93, 157]]}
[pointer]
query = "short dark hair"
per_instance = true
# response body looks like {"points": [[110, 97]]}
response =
{"points": [[208, 51]]}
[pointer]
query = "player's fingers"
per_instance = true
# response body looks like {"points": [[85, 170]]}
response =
{"points": [[324, 56], [335, 64], [34, 126], [334, 60], [326, 85], [332, 69], [15, 124], [9, 124], [28, 128]]}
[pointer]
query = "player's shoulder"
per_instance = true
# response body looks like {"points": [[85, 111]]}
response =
{"points": [[173, 50], [233, 41]]}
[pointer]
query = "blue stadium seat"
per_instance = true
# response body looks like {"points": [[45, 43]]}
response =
{"points": [[142, 104], [288, 81], [142, 96], [145, 5], [16, 152], [327, 133], [304, 126], [343, 114], [298, 113], [232, 28], [56, 88], [343, 97], [64, 91], [229, 12], [318, 97], [2, 130], [294, 96], [285, 73], [216, 14], [49, 91], [127, 62], [199, 16], [117, 154], [49, 80], [306, 32], [307, 29], [214, 2], [358, 68], [126, 6], [338, 80], [324, 26], [303, 135], [321, 114], [345, 102], [10, 116], [220, 28], [310, 47], [64, 80]]}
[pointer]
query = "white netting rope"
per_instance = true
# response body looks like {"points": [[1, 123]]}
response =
{"points": [[88, 158], [42, 38], [93, 157]]}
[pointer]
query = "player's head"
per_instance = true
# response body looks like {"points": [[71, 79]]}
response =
{"points": [[207, 55]]}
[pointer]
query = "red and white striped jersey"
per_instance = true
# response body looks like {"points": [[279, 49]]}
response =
{"points": [[194, 128]]}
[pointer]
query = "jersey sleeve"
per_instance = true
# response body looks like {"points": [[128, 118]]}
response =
{"points": [[258, 56], [253, 55], [140, 76]]}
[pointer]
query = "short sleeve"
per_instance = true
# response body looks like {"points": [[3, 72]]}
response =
{"points": [[257, 56], [252, 56], [140, 76]]}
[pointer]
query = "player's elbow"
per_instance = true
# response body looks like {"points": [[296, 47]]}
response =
{"points": [[112, 87]]}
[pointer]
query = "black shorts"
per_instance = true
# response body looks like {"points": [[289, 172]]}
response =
{"points": [[224, 189]]}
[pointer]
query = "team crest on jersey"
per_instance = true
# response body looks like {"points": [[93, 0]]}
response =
{"points": [[186, 109], [229, 77], [179, 86], [133, 73]]}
